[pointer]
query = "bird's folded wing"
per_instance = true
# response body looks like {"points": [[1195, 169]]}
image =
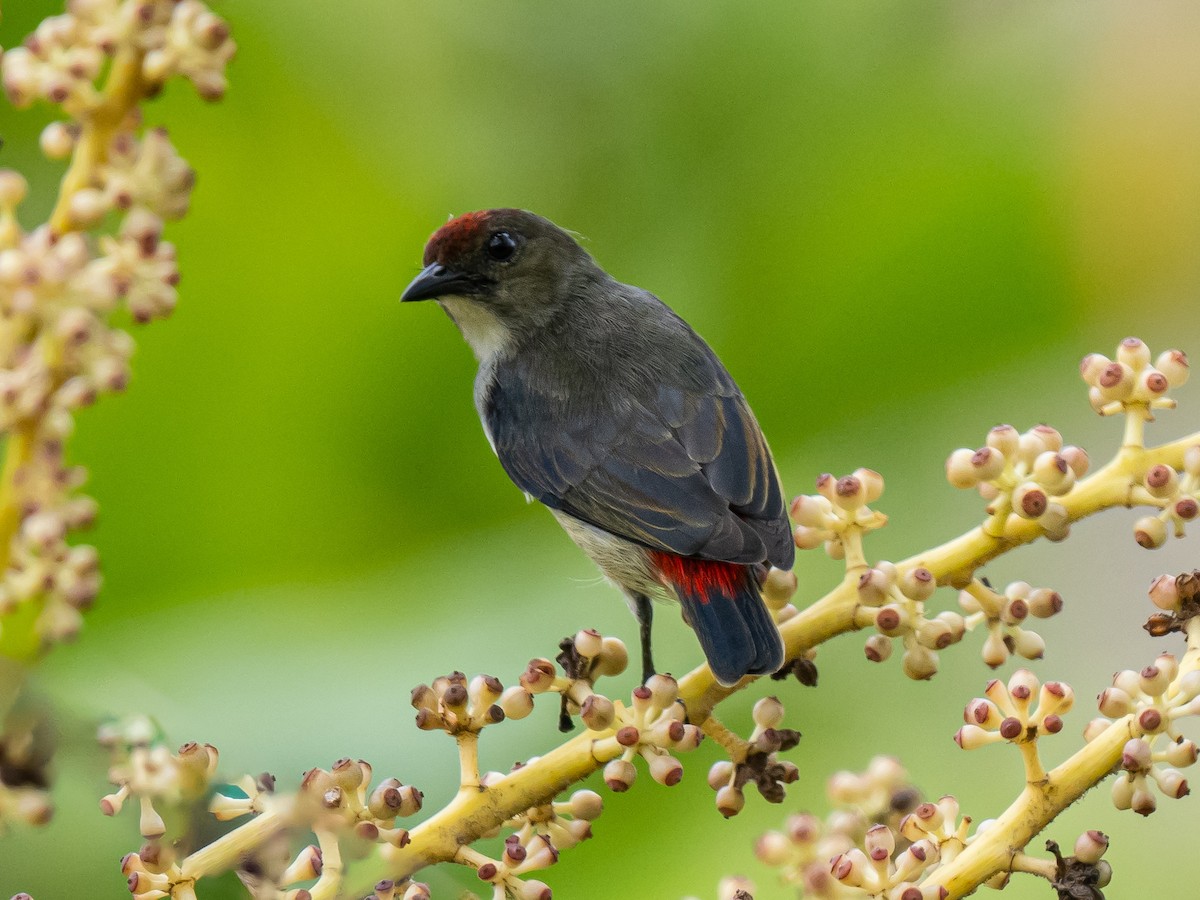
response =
{"points": [[687, 472]]}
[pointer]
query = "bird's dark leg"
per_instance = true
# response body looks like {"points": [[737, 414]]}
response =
{"points": [[644, 610]]}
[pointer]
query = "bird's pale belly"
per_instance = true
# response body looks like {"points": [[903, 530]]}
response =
{"points": [[623, 562]]}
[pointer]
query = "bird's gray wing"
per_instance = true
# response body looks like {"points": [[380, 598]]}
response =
{"points": [[684, 469]]}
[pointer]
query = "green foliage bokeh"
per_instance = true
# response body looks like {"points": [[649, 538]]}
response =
{"points": [[898, 224]]}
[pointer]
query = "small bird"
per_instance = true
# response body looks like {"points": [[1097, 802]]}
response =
{"points": [[604, 405]]}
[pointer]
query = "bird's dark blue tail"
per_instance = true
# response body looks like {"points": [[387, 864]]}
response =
{"points": [[722, 603]]}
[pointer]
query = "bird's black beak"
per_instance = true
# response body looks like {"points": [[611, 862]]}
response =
{"points": [[436, 280]]}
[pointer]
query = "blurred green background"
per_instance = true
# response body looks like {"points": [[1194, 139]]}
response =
{"points": [[897, 223]]}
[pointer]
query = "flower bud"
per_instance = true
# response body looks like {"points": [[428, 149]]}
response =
{"points": [[891, 620], [918, 584], [768, 713], [919, 663], [1150, 532], [995, 652], [1094, 729], [806, 538], [663, 689], [619, 775], [873, 586], [1181, 753], [1005, 439], [664, 768], [960, 470], [13, 188], [773, 848], [1136, 755], [879, 843], [1028, 644], [1172, 783], [1077, 459], [589, 643], [878, 647], [586, 805], [1053, 471], [720, 774], [516, 702], [1161, 481], [1029, 500], [811, 511], [1142, 802], [1114, 702], [1134, 353], [779, 587], [1156, 679], [1114, 383], [1055, 697], [1044, 603], [613, 658], [872, 484], [597, 712], [983, 713], [1174, 365], [87, 206], [151, 825], [934, 634], [1090, 846], [730, 800], [538, 676]]}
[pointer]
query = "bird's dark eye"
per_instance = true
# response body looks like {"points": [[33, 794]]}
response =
{"points": [[501, 246]]}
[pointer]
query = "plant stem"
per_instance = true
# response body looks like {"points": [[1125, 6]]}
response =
{"points": [[471, 814]]}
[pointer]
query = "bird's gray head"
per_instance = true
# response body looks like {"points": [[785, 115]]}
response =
{"points": [[499, 274]]}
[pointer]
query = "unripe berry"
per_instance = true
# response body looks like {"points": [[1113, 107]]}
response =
{"points": [[1150, 532], [1174, 365]]}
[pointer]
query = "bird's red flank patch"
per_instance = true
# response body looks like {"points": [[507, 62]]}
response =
{"points": [[700, 578], [455, 237]]}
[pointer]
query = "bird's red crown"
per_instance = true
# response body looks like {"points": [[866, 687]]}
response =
{"points": [[455, 237]]}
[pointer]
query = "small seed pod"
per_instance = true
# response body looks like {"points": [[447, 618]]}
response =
{"points": [[1164, 593], [1161, 481], [1134, 353], [1150, 532], [1029, 500], [1174, 365]]}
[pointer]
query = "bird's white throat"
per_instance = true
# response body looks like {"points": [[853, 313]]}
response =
{"points": [[487, 336]]}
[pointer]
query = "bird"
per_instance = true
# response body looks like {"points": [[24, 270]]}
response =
{"points": [[605, 406]]}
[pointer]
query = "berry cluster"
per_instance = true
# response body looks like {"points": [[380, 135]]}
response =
{"points": [[1008, 712], [62, 59], [755, 761], [1176, 493], [1152, 701], [653, 726], [837, 516], [1021, 476], [66, 296], [1129, 383]]}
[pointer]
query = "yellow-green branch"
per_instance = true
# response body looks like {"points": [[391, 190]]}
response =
{"points": [[470, 815]]}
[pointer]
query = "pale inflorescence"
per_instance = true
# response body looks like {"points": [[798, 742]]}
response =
{"points": [[1153, 701], [336, 805], [1177, 493], [838, 515], [1131, 383], [1022, 476], [69, 288], [755, 761], [1018, 712], [64, 56], [65, 294]]}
